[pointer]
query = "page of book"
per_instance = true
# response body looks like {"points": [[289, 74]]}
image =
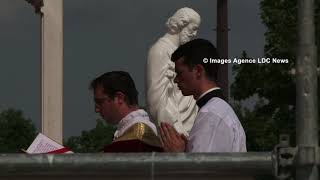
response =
{"points": [[43, 144]]}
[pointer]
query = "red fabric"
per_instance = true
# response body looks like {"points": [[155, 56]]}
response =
{"points": [[131, 146]]}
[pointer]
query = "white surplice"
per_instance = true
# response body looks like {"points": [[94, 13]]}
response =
{"points": [[217, 129]]}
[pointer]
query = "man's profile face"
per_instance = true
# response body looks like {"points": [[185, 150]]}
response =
{"points": [[185, 77], [105, 106], [188, 32]]}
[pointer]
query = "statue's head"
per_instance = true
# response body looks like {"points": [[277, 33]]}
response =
{"points": [[184, 22]]}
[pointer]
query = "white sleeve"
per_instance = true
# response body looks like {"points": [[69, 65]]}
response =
{"points": [[210, 134]]}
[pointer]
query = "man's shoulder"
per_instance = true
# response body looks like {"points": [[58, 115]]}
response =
{"points": [[217, 111], [216, 104], [140, 131], [218, 107]]}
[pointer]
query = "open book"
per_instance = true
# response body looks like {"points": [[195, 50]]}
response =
{"points": [[44, 145]]}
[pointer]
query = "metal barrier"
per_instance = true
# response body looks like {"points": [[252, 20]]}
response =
{"points": [[136, 165]]}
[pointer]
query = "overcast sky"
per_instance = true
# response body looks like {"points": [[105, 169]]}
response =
{"points": [[101, 36]]}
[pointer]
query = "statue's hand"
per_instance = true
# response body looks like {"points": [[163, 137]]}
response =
{"points": [[170, 73]]}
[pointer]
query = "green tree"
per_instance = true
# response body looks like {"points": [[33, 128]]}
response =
{"points": [[16, 131], [93, 140], [272, 85]]}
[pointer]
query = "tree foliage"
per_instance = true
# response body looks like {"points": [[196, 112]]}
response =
{"points": [[272, 85], [93, 140], [16, 131]]}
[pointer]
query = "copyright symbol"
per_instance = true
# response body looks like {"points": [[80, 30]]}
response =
{"points": [[205, 60]]}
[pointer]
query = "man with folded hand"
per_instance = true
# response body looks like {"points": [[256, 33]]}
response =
{"points": [[116, 100], [216, 127]]}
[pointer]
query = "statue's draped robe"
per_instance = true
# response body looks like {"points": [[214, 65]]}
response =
{"points": [[165, 101]]}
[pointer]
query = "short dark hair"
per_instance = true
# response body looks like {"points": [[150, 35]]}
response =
{"points": [[194, 52], [116, 81]]}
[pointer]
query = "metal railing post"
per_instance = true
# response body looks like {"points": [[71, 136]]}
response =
{"points": [[306, 95]]}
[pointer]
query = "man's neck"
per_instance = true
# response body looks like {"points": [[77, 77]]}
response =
{"points": [[207, 92], [128, 110], [204, 87]]}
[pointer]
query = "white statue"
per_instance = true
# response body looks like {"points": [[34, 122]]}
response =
{"points": [[165, 101]]}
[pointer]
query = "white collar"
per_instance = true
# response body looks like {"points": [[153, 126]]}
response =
{"points": [[212, 89], [124, 121], [133, 117]]}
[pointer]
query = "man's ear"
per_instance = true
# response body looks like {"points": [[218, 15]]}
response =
{"points": [[119, 97], [199, 70]]}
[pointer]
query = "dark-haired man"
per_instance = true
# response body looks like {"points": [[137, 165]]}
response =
{"points": [[116, 100], [216, 128]]}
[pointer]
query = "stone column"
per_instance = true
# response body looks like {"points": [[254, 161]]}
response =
{"points": [[52, 69]]}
